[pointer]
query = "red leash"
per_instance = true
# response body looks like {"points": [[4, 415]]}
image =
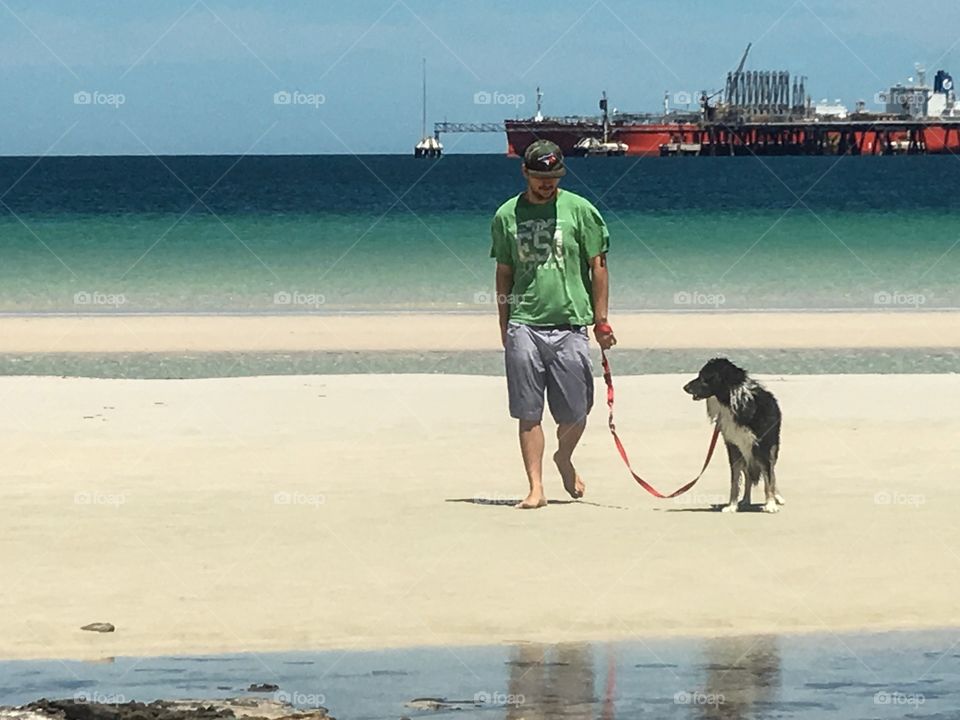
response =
{"points": [[608, 378]]}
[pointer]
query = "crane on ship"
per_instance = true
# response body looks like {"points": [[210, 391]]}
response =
{"points": [[734, 80], [758, 94]]}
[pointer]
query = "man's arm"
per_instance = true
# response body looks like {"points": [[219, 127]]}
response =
{"points": [[601, 297], [504, 288], [601, 287]]}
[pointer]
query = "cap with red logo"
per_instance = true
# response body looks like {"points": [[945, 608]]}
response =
{"points": [[544, 159]]}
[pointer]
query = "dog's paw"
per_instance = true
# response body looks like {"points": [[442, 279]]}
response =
{"points": [[771, 507], [732, 507], [779, 499]]}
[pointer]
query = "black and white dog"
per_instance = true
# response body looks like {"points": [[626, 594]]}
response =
{"points": [[749, 419]]}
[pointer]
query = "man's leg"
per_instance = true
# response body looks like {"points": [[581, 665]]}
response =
{"points": [[531, 447], [526, 383], [570, 392], [568, 435]]}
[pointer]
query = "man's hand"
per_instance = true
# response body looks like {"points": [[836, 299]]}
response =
{"points": [[604, 335], [503, 336], [601, 290]]}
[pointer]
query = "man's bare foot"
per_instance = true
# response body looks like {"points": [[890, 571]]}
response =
{"points": [[572, 482], [532, 501]]}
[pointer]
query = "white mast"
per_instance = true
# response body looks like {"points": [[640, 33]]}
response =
{"points": [[423, 121]]}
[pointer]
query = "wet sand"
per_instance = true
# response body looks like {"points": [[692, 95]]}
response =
{"points": [[468, 332], [351, 511]]}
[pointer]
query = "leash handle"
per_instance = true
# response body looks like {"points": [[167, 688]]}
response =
{"points": [[608, 379]]}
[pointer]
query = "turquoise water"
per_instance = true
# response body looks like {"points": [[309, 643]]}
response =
{"points": [[892, 675], [393, 233]]}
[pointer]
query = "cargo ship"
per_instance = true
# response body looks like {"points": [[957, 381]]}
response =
{"points": [[759, 113]]}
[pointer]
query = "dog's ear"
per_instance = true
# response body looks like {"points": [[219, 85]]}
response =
{"points": [[730, 373]]}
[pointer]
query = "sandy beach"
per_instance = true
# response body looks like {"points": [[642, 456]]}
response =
{"points": [[448, 331], [362, 511]]}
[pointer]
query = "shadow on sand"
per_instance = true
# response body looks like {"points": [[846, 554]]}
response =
{"points": [[757, 508], [510, 502]]}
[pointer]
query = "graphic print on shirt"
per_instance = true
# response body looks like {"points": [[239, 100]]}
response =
{"points": [[540, 243]]}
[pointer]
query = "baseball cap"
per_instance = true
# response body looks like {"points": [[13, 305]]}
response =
{"points": [[544, 159]]}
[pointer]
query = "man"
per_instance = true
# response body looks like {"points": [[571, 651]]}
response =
{"points": [[551, 248]]}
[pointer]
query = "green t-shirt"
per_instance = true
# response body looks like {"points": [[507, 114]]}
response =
{"points": [[549, 247]]}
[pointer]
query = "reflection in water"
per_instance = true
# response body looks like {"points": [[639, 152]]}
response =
{"points": [[549, 681], [742, 674], [742, 677]]}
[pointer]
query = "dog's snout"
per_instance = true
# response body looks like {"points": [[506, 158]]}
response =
{"points": [[697, 389]]}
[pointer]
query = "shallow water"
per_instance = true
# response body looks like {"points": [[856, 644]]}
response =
{"points": [[626, 362], [895, 675]]}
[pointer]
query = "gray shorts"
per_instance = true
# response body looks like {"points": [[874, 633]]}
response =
{"points": [[557, 361]]}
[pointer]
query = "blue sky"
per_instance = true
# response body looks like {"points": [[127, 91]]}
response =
{"points": [[200, 76]]}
